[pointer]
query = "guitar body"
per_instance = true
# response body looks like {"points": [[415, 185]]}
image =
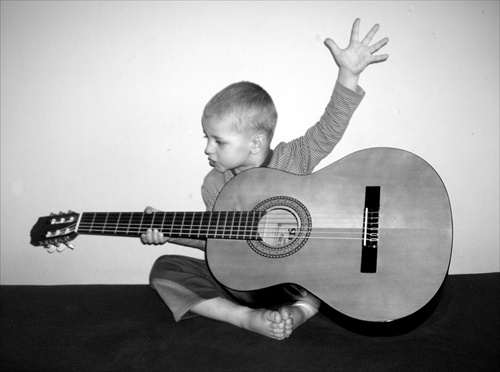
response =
{"points": [[413, 235]]}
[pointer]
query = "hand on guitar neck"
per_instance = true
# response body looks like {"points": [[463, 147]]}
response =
{"points": [[156, 237]]}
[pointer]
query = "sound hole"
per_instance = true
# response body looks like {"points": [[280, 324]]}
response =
{"points": [[283, 229], [278, 227]]}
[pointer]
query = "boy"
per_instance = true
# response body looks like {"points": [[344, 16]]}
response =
{"points": [[239, 123]]}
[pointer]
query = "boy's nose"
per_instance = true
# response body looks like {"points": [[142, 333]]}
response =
{"points": [[208, 149]]}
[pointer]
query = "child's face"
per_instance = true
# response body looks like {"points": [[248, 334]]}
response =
{"points": [[226, 148]]}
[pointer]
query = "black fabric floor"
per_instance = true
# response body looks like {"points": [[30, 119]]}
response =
{"points": [[127, 328]]}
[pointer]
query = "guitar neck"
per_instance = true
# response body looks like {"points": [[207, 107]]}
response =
{"points": [[194, 225]]}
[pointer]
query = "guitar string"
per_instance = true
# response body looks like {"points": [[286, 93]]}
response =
{"points": [[197, 228], [245, 236], [372, 237], [197, 221], [316, 233], [197, 224], [204, 223]]}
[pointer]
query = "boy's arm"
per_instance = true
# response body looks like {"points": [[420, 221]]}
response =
{"points": [[357, 56], [301, 155]]}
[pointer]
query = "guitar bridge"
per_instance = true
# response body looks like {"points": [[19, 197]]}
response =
{"points": [[369, 249]]}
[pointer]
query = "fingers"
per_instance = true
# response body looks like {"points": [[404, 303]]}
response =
{"points": [[368, 39], [332, 46], [355, 31], [369, 36], [153, 236], [150, 210], [375, 47]]}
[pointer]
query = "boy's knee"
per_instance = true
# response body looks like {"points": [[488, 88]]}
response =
{"points": [[166, 266], [161, 265], [166, 261]]}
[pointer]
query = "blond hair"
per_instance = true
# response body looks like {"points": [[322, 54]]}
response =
{"points": [[252, 107]]}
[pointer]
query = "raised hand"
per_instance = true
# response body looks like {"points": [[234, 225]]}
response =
{"points": [[358, 54]]}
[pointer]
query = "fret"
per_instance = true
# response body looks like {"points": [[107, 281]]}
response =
{"points": [[199, 221], [232, 226], [172, 224], [182, 224], [241, 226], [153, 220], [117, 223], [104, 224], [238, 225], [205, 224], [191, 226], [255, 224], [138, 228], [213, 225], [251, 226], [147, 222], [177, 224], [111, 224], [196, 224], [128, 226], [98, 222], [158, 221], [92, 223], [247, 227], [121, 227], [244, 228], [217, 224], [202, 223], [224, 231], [163, 222], [135, 225]]}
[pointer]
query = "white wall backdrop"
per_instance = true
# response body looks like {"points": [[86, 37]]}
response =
{"points": [[101, 105]]}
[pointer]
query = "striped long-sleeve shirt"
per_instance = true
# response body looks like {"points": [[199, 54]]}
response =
{"points": [[301, 155]]}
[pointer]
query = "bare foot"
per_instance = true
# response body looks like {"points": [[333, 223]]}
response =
{"points": [[267, 323], [274, 324], [295, 315]]}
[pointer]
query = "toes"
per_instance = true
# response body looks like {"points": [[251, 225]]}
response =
{"points": [[277, 317], [285, 313]]}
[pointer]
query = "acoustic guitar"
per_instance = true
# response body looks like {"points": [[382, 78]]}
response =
{"points": [[370, 234]]}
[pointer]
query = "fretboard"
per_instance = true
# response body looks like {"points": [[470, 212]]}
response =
{"points": [[195, 225]]}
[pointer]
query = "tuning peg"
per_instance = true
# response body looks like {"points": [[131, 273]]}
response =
{"points": [[69, 245], [50, 248]]}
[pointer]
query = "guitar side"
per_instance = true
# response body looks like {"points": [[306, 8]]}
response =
{"points": [[414, 238]]}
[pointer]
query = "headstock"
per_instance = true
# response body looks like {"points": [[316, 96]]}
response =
{"points": [[55, 232]]}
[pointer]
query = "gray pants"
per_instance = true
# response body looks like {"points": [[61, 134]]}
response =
{"points": [[183, 282]]}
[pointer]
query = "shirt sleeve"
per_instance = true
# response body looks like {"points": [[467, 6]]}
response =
{"points": [[212, 185], [302, 155]]}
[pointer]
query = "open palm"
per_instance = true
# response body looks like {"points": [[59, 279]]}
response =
{"points": [[358, 54]]}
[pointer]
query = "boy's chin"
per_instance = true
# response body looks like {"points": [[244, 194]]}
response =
{"points": [[219, 168]]}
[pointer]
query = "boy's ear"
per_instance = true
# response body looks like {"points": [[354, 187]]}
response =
{"points": [[259, 143]]}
